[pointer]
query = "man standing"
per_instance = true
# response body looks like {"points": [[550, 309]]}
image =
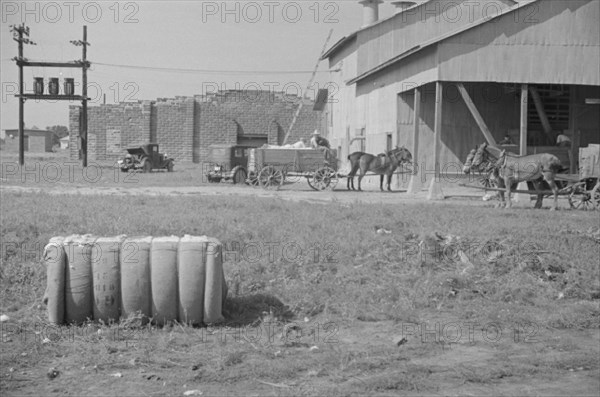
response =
{"points": [[563, 140], [318, 141]]}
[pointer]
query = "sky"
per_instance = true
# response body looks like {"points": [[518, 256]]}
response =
{"points": [[138, 48]]}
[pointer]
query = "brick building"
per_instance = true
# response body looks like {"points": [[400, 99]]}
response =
{"points": [[185, 127]]}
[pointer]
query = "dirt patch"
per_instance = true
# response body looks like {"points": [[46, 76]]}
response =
{"points": [[295, 192]]}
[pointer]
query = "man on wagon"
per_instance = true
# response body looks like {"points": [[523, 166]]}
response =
{"points": [[320, 143]]}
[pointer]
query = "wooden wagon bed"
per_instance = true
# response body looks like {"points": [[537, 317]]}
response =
{"points": [[273, 165]]}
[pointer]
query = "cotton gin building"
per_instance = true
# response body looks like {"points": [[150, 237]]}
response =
{"points": [[440, 77]]}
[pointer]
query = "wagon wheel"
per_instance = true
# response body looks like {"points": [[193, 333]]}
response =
{"points": [[324, 178], [580, 198], [309, 180], [239, 177], [252, 180], [487, 181], [596, 195], [270, 178]]}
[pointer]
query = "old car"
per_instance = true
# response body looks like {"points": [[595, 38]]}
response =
{"points": [[146, 158], [228, 163]]}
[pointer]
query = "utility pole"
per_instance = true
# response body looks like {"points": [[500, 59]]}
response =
{"points": [[18, 33], [84, 124], [83, 128]]}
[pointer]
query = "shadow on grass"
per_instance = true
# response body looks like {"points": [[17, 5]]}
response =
{"points": [[245, 310]]}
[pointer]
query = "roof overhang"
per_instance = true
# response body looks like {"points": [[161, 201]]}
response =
{"points": [[437, 40], [338, 46]]}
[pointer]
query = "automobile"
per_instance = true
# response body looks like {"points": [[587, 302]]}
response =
{"points": [[146, 158], [228, 163]]}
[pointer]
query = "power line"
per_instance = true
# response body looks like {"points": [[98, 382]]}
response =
{"points": [[204, 71], [208, 71]]}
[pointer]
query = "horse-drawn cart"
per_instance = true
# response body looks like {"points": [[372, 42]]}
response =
{"points": [[583, 189], [270, 167]]}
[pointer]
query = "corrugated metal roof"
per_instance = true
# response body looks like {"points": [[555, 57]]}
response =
{"points": [[438, 39], [562, 46], [345, 40]]}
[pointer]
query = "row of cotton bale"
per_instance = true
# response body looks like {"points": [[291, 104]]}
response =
{"points": [[109, 278]]}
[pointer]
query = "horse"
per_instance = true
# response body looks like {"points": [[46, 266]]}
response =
{"points": [[511, 169], [354, 159], [486, 167], [382, 164]]}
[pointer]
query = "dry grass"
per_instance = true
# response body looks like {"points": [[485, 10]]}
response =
{"points": [[524, 268]]}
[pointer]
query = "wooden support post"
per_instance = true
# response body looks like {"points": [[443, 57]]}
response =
{"points": [[435, 189], [539, 106], [476, 115], [524, 121], [575, 144], [574, 130], [414, 185], [523, 197]]}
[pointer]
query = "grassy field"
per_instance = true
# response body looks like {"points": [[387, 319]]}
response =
{"points": [[56, 170], [320, 303]]}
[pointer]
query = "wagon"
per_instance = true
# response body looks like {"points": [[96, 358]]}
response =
{"points": [[272, 166], [582, 189]]}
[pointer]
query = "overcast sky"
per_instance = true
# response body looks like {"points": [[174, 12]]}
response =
{"points": [[225, 37]]}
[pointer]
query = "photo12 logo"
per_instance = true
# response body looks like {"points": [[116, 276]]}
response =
{"points": [[469, 332], [69, 11], [53, 172], [270, 11], [267, 333], [112, 91], [289, 251]]}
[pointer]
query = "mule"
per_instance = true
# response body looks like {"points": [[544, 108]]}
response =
{"points": [[354, 166], [511, 169], [485, 167], [382, 165]]}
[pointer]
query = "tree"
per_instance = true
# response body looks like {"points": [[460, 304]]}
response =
{"points": [[60, 131]]}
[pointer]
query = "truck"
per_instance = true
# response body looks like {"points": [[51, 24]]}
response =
{"points": [[228, 163]]}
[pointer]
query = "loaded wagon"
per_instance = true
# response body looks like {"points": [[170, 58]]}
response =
{"points": [[584, 188], [269, 167]]}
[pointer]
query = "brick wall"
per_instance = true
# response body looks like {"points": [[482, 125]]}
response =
{"points": [[185, 127], [175, 127], [74, 114]]}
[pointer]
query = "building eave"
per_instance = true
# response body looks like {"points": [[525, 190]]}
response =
{"points": [[436, 40], [338, 46]]}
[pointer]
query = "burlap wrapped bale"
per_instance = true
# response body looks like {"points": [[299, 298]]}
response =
{"points": [[163, 276], [56, 263], [78, 278], [191, 265], [215, 291], [136, 295], [107, 278]]}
